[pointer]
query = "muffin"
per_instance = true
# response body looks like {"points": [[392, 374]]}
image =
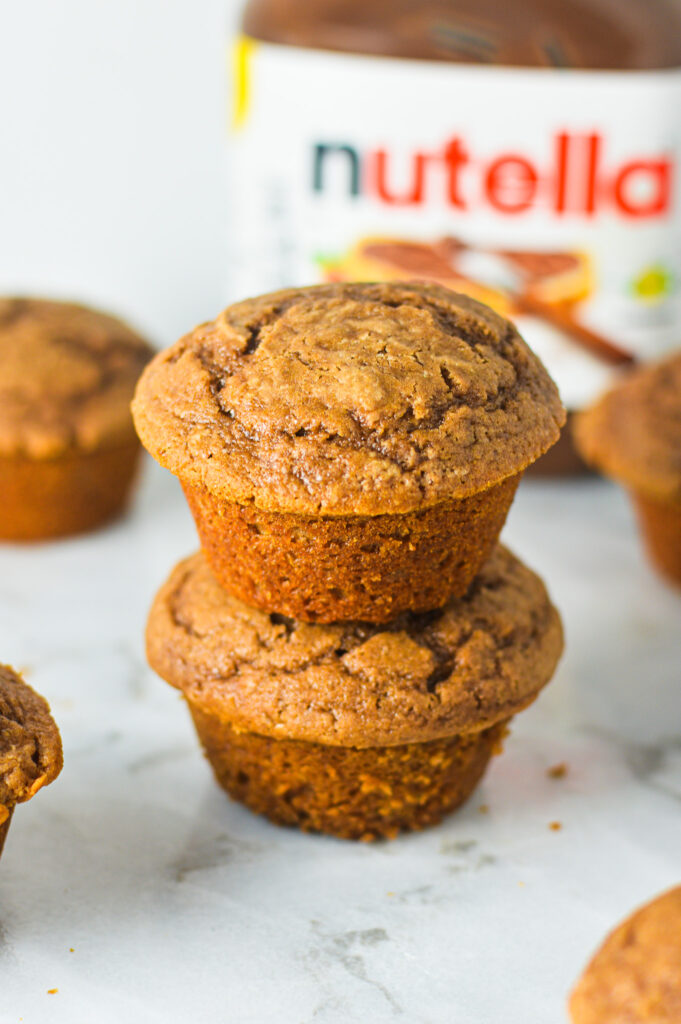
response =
{"points": [[30, 746], [635, 977], [68, 449], [349, 451], [633, 434], [357, 730]]}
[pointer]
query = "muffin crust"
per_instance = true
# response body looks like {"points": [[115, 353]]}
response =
{"points": [[348, 399], [67, 374], [422, 677]]}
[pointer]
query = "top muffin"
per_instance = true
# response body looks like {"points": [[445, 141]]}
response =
{"points": [[635, 977], [634, 432], [348, 399], [67, 375], [30, 746]]}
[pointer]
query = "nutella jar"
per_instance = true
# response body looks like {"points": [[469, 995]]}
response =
{"points": [[526, 153]]}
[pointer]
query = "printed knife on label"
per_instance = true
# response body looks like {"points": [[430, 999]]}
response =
{"points": [[546, 285]]}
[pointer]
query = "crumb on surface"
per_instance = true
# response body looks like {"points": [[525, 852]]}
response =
{"points": [[555, 826], [557, 771], [484, 808], [52, 991]]}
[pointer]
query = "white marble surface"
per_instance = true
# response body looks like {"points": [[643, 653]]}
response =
{"points": [[179, 906]]}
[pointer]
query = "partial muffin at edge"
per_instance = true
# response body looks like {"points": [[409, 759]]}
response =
{"points": [[68, 449], [635, 977], [633, 434], [30, 745]]}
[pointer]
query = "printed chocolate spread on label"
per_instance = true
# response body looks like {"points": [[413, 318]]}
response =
{"points": [[526, 153]]}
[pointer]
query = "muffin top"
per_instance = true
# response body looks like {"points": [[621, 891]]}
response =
{"points": [[67, 375], [635, 977], [30, 746], [634, 432], [425, 676], [348, 399]]}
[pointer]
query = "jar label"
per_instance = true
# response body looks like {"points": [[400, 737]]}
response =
{"points": [[551, 195]]}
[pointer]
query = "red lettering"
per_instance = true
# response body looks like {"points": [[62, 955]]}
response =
{"points": [[593, 143], [455, 157], [562, 145], [415, 194], [577, 179], [511, 184], [653, 178]]}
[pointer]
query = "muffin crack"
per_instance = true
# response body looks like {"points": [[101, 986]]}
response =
{"points": [[478, 660], [424, 630], [349, 399]]}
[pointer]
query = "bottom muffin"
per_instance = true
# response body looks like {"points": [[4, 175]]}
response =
{"points": [[349, 792], [30, 745], [354, 729]]}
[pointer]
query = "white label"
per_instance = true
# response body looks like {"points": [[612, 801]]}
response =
{"points": [[551, 195]]}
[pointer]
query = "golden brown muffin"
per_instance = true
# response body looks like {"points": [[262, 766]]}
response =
{"points": [[68, 450], [355, 729], [349, 451], [635, 977], [633, 434], [30, 746]]}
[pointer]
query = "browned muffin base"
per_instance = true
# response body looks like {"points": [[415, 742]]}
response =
{"points": [[365, 794], [4, 829], [332, 569], [47, 498], [660, 523]]}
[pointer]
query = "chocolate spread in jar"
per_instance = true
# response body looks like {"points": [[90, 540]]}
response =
{"points": [[585, 34], [429, 139]]}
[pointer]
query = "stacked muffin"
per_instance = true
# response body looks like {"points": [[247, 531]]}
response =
{"points": [[351, 641]]}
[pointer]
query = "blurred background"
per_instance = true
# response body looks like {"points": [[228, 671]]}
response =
{"points": [[113, 131], [114, 183]]}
